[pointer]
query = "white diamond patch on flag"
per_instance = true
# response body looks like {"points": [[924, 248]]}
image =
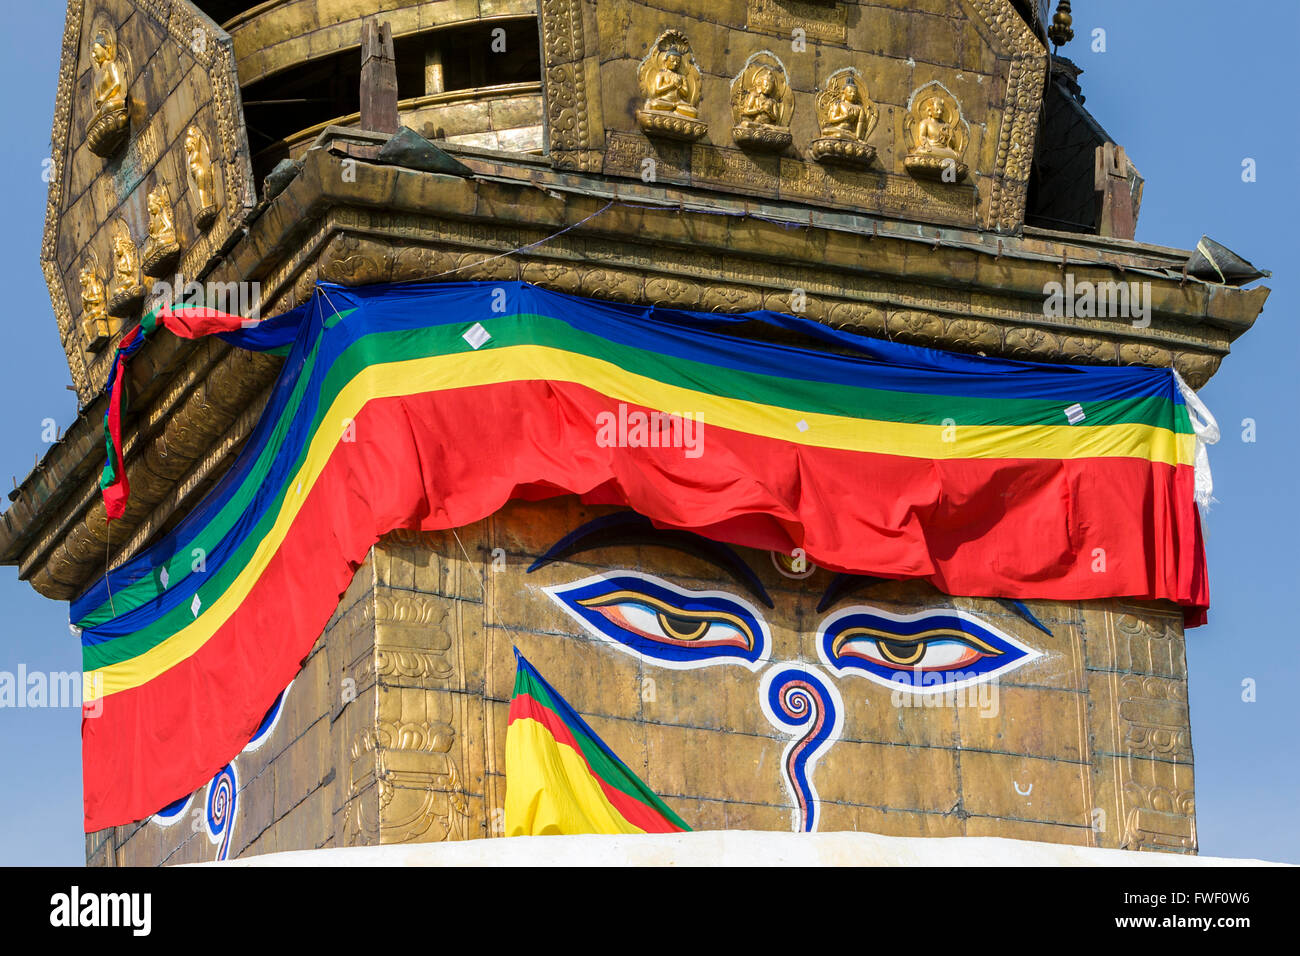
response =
{"points": [[1074, 414], [477, 336], [163, 578], [195, 605]]}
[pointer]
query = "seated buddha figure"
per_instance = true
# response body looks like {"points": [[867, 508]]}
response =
{"points": [[937, 138], [669, 82], [845, 118], [94, 303], [935, 135], [198, 165], [670, 88], [126, 293], [109, 119], [162, 247], [760, 106]]}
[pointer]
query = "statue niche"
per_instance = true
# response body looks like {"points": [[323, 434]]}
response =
{"points": [[202, 180], [936, 135], [762, 104], [161, 248], [846, 117], [110, 120], [669, 81], [125, 291], [96, 326]]}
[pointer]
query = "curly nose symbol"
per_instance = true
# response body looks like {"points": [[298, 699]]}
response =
{"points": [[1023, 793], [801, 702]]}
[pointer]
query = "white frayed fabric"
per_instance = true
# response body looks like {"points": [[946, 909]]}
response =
{"points": [[1207, 433]]}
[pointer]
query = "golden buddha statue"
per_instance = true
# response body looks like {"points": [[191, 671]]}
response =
{"points": [[110, 121], [937, 136], [96, 326], [762, 104], [759, 106], [934, 133], [125, 292], [669, 87], [846, 117], [669, 81], [161, 248], [198, 166]]}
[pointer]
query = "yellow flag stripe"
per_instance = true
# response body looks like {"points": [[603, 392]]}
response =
{"points": [[550, 790]]}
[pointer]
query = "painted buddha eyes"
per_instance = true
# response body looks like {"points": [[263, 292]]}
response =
{"points": [[658, 620], [924, 652], [938, 650], [677, 628]]}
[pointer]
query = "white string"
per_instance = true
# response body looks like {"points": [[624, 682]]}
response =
{"points": [[489, 600], [108, 536], [503, 255], [482, 587]]}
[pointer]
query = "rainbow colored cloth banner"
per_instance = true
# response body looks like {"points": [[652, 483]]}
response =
{"points": [[430, 406], [562, 778]]}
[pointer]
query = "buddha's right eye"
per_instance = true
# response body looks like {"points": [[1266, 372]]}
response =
{"points": [[675, 627]]}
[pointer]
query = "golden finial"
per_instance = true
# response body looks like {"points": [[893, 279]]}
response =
{"points": [[1061, 31]]}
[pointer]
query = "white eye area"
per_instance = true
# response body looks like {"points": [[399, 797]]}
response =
{"points": [[641, 617], [646, 620]]}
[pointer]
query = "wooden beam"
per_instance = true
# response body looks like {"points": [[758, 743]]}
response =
{"points": [[378, 78]]}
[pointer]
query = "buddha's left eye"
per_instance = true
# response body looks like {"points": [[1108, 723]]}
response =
{"points": [[924, 652], [936, 652], [675, 627]]}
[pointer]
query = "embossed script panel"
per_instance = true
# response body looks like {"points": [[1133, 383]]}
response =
{"points": [[149, 174], [938, 125]]}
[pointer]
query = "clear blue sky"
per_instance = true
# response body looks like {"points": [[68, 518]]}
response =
{"points": [[1189, 88]]}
